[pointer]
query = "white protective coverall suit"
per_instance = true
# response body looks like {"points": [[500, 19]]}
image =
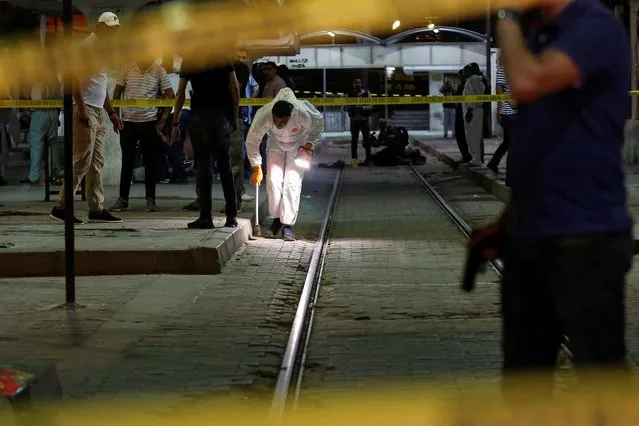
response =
{"points": [[474, 128], [283, 177]]}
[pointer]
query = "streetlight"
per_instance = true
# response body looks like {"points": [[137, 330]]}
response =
{"points": [[396, 24], [431, 26]]}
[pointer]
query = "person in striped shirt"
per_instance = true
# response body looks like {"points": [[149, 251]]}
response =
{"points": [[506, 114], [141, 81]]}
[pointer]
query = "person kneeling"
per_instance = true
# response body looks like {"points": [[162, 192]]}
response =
{"points": [[293, 128]]}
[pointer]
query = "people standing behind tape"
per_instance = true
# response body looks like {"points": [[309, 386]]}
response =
{"points": [[460, 126], [474, 115], [506, 114], [43, 125], [449, 108], [141, 80], [215, 107], [89, 133], [293, 128], [360, 123]]}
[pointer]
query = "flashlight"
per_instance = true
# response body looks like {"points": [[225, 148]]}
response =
{"points": [[303, 158]]}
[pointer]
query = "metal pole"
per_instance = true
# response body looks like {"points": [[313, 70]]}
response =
{"points": [[69, 237], [634, 6]]}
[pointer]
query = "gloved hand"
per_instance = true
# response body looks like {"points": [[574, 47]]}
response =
{"points": [[257, 176], [469, 115], [304, 155]]}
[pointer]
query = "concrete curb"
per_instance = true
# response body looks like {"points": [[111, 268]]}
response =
{"points": [[182, 261], [480, 175]]}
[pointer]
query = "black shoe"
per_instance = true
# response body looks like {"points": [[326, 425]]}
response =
{"points": [[58, 215], [201, 224], [275, 227], [103, 217], [231, 222], [493, 168]]}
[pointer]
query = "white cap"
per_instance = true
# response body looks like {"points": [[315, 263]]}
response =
{"points": [[109, 19]]}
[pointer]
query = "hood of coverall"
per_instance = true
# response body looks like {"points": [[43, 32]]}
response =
{"points": [[294, 134]]}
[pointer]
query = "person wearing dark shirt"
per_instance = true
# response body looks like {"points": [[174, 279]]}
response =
{"points": [[568, 240], [215, 107]]}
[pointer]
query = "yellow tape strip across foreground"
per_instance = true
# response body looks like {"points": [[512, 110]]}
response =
{"points": [[362, 409], [385, 100]]}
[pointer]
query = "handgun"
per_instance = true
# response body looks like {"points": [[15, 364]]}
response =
{"points": [[476, 258]]}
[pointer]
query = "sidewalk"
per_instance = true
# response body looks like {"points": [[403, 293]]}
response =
{"points": [[446, 151], [145, 243]]}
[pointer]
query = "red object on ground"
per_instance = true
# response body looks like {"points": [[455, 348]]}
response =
{"points": [[13, 381]]}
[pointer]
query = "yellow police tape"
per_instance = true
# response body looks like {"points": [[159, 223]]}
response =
{"points": [[363, 409], [383, 100]]}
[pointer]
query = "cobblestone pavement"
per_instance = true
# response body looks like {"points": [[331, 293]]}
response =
{"points": [[187, 337], [390, 309]]}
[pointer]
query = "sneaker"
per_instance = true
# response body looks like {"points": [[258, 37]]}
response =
{"points": [[201, 224], [275, 227], [58, 215], [231, 222], [247, 198], [103, 217], [150, 205], [193, 206], [354, 163], [287, 233], [120, 206]]}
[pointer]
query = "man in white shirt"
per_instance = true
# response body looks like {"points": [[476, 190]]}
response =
{"points": [[88, 133]]}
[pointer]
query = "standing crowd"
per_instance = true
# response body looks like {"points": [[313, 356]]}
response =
{"points": [[469, 122]]}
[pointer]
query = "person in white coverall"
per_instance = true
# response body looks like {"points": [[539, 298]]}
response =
{"points": [[474, 116], [293, 127]]}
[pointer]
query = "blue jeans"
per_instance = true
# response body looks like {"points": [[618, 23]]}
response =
{"points": [[175, 151]]}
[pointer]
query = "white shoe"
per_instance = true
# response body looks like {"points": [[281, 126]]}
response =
{"points": [[247, 198]]}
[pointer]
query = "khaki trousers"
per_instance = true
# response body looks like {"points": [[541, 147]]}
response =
{"points": [[88, 158]]}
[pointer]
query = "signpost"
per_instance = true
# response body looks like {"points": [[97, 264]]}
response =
{"points": [[69, 231]]}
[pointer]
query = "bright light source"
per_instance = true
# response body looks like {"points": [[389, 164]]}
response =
{"points": [[431, 26], [396, 24], [331, 33], [436, 30], [302, 163], [390, 69]]}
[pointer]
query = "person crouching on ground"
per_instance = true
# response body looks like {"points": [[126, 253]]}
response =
{"points": [[291, 125]]}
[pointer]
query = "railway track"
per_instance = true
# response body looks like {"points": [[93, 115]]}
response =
{"points": [[292, 371]]}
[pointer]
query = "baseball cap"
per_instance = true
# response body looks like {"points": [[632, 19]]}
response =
{"points": [[109, 19]]}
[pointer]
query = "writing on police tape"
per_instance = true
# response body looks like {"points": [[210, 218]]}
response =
{"points": [[382, 100], [386, 100]]}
